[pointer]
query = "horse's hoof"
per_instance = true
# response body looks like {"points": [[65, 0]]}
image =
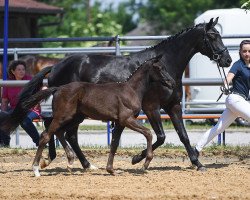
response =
{"points": [[202, 169], [36, 171], [193, 166], [44, 163], [92, 167], [144, 169], [136, 159], [111, 171]]}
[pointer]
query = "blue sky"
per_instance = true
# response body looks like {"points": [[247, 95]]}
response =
{"points": [[107, 2], [114, 2]]}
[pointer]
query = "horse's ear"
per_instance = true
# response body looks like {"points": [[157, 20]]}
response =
{"points": [[211, 23], [215, 21]]}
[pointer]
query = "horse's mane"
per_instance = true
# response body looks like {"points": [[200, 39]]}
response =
{"points": [[163, 42], [172, 37], [132, 73]]}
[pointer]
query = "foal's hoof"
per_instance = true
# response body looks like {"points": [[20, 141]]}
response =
{"points": [[44, 163], [136, 159], [36, 171], [202, 169], [69, 168], [144, 170]]}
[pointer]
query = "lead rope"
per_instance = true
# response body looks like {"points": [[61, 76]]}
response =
{"points": [[224, 88]]}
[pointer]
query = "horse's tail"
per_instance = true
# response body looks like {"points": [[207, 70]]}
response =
{"points": [[9, 122], [34, 85]]}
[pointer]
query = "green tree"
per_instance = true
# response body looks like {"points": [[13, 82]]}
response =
{"points": [[81, 19], [246, 5], [174, 15]]}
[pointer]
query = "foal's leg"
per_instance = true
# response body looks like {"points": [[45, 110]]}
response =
{"points": [[116, 135], [133, 124], [71, 137], [154, 118], [52, 149], [175, 114], [44, 139]]}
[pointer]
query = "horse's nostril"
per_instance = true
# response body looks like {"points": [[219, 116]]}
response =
{"points": [[229, 61]]}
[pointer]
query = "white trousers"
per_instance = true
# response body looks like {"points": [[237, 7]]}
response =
{"points": [[236, 106]]}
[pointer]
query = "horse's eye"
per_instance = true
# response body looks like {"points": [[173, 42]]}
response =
{"points": [[212, 36]]}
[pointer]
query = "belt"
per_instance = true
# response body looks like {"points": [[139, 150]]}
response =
{"points": [[242, 95]]}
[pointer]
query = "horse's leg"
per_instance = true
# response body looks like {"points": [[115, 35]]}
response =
{"points": [[154, 118], [175, 113], [133, 124], [116, 135], [71, 137], [68, 150]]}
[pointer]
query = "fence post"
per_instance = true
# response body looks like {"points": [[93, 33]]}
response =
{"points": [[219, 139], [117, 53], [224, 138], [108, 133], [117, 46], [183, 103], [15, 54], [17, 137]]}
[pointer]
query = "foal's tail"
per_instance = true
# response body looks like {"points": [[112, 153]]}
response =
{"points": [[10, 121], [36, 98]]}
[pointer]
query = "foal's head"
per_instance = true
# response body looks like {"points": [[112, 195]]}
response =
{"points": [[158, 73]]}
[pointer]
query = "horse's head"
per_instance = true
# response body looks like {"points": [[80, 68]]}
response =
{"points": [[212, 45], [158, 72]]}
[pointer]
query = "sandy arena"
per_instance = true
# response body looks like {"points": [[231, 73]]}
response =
{"points": [[167, 178]]}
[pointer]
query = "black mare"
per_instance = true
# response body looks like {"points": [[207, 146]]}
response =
{"points": [[177, 51]]}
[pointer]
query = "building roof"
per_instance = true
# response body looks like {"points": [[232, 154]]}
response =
{"points": [[30, 6]]}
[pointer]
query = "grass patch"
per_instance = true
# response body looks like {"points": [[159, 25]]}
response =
{"points": [[167, 125], [167, 150]]}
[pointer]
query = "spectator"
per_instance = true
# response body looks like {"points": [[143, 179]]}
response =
{"points": [[17, 71]]}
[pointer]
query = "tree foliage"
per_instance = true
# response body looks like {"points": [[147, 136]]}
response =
{"points": [[80, 19], [174, 15], [246, 5]]}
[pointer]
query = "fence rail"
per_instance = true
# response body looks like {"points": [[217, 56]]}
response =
{"points": [[116, 50]]}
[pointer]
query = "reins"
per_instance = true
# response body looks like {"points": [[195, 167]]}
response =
{"points": [[216, 57], [225, 88]]}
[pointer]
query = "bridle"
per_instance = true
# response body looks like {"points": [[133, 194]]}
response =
{"points": [[217, 54]]}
